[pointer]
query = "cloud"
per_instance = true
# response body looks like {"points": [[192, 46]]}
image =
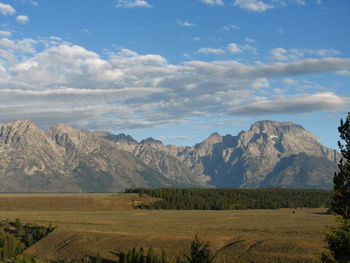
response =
{"points": [[291, 104], [229, 28], [186, 24], [302, 67], [132, 3], [253, 5], [234, 48], [5, 33], [32, 2], [344, 73], [22, 19], [25, 45], [249, 40], [208, 50], [288, 81], [212, 2], [282, 54], [62, 82], [6, 9]]}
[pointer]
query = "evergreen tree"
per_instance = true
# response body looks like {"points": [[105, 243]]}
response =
{"points": [[341, 199], [19, 226], [200, 252], [338, 239]]}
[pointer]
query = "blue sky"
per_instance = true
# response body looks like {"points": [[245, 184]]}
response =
{"points": [[176, 70]]}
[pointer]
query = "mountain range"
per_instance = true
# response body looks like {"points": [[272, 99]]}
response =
{"points": [[63, 159]]}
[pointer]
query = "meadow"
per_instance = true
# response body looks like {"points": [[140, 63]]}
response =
{"points": [[107, 224]]}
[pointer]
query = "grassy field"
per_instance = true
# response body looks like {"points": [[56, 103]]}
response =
{"points": [[88, 224]]}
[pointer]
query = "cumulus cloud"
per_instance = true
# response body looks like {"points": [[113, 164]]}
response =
{"points": [[234, 48], [6, 9], [212, 2], [253, 5], [132, 3], [22, 19], [208, 50], [127, 90]]}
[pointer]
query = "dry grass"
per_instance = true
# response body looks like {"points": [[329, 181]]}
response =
{"points": [[106, 223]]}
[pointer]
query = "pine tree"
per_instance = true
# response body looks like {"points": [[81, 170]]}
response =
{"points": [[200, 252], [338, 239], [341, 199]]}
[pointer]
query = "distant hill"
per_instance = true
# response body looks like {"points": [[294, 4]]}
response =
{"points": [[63, 159]]}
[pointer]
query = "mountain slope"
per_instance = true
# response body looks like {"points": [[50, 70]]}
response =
{"points": [[63, 159], [247, 159]]}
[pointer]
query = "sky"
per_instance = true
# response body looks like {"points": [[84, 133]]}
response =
{"points": [[176, 70]]}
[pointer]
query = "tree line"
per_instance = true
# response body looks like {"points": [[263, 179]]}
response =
{"points": [[227, 199], [16, 237]]}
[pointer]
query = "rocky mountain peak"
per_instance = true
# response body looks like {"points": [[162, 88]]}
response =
{"points": [[19, 125], [274, 127], [122, 137], [18, 131], [150, 140]]}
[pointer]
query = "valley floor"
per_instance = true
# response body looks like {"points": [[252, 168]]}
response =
{"points": [[107, 224]]}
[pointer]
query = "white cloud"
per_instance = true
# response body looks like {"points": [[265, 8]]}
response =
{"points": [[208, 50], [282, 54], [196, 38], [132, 3], [32, 2], [253, 5], [292, 104], [229, 28], [234, 48], [249, 40], [24, 45], [185, 24], [126, 90], [7, 9], [213, 2], [5, 33], [344, 73], [288, 81], [22, 19]]}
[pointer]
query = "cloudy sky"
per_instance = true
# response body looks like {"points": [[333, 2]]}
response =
{"points": [[176, 70]]}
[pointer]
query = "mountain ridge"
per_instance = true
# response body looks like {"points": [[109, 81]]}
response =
{"points": [[61, 158]]}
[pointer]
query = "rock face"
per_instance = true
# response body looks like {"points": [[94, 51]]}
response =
{"points": [[269, 154], [62, 159]]}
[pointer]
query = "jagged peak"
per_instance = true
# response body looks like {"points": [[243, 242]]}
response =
{"points": [[215, 134], [20, 124], [150, 140], [121, 137]]}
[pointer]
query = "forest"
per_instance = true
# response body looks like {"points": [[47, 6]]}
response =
{"points": [[228, 199]]}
